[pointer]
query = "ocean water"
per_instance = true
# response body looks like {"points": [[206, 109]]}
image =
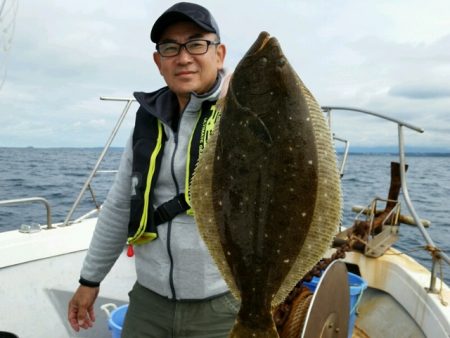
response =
{"points": [[59, 174]]}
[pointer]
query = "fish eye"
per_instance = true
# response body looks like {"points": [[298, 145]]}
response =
{"points": [[262, 61], [281, 62]]}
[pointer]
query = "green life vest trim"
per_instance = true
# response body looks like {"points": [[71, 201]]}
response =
{"points": [[142, 225], [188, 165], [141, 235], [206, 130]]}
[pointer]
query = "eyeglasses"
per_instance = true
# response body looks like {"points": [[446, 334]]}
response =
{"points": [[193, 47]]}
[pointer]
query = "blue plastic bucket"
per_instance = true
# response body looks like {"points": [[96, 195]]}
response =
{"points": [[115, 322], [357, 286]]}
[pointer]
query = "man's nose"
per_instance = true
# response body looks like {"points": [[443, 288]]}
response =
{"points": [[184, 55]]}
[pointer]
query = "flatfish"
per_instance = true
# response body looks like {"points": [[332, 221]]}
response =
{"points": [[266, 190]]}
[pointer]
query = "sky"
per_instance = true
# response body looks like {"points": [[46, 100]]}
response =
{"points": [[388, 56]]}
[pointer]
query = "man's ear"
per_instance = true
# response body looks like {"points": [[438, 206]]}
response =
{"points": [[220, 55], [157, 59]]}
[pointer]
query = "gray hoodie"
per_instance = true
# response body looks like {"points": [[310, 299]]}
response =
{"points": [[177, 263]]}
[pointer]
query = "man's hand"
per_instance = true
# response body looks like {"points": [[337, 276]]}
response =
{"points": [[81, 308]]}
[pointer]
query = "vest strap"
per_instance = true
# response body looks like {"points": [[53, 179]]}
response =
{"points": [[168, 210]]}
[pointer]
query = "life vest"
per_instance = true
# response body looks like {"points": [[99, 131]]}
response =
{"points": [[148, 145]]}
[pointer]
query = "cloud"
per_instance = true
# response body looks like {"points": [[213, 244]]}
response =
{"points": [[391, 58], [420, 91]]}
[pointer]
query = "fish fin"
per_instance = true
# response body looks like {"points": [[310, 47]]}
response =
{"points": [[328, 206], [240, 330], [220, 104]]}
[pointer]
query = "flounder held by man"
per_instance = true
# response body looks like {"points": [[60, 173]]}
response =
{"points": [[266, 191]]}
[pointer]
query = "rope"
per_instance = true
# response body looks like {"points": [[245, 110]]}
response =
{"points": [[295, 320]]}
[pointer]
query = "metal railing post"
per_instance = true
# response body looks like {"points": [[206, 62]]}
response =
{"points": [[102, 155], [32, 200]]}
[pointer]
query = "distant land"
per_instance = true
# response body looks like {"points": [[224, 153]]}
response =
{"points": [[410, 150], [386, 150]]}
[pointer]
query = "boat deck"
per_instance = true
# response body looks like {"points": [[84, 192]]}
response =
{"points": [[43, 287]]}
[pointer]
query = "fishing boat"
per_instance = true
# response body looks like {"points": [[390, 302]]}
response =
{"points": [[39, 266]]}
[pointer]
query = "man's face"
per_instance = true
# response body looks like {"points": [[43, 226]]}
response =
{"points": [[186, 73]]}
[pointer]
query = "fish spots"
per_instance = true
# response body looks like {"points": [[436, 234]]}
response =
{"points": [[218, 158], [291, 189], [220, 203], [310, 162], [228, 253], [286, 261], [304, 214]]}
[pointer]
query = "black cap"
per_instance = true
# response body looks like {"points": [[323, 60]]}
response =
{"points": [[184, 11]]}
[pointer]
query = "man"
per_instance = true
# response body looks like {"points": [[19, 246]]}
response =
{"points": [[179, 291]]}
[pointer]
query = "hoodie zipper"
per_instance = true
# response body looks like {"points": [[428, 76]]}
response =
{"points": [[169, 226]]}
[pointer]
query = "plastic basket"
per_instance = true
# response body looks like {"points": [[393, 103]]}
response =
{"points": [[357, 286], [116, 318]]}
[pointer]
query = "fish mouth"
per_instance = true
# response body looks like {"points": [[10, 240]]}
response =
{"points": [[260, 43]]}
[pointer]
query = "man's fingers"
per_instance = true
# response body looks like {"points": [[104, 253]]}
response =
{"points": [[82, 317], [91, 313], [81, 308], [73, 319]]}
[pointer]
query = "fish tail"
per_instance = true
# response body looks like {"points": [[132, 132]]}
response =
{"points": [[242, 331]]}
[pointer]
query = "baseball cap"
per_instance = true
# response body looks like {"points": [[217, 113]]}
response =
{"points": [[184, 11]]}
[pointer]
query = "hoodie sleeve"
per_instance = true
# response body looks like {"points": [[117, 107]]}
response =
{"points": [[111, 231]]}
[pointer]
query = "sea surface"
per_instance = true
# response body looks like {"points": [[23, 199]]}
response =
{"points": [[58, 174]]}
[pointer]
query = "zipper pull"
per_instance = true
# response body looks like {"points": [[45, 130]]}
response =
{"points": [[130, 251]]}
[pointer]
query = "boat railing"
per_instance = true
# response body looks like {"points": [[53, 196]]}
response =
{"points": [[95, 170], [437, 255], [32, 200], [345, 155]]}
